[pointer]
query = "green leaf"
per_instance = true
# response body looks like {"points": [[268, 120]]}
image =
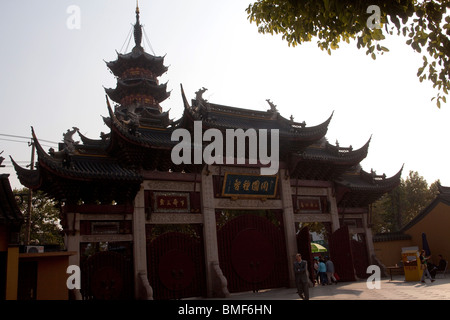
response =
{"points": [[420, 71]]}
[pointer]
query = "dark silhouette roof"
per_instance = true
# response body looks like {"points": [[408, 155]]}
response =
{"points": [[140, 139], [9, 210]]}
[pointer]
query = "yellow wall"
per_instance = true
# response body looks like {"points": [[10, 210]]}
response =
{"points": [[436, 225], [390, 252], [52, 277], [12, 273], [51, 274]]}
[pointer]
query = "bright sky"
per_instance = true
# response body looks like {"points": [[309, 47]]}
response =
{"points": [[53, 78]]}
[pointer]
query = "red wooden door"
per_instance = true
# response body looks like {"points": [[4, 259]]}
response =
{"points": [[107, 275], [360, 255], [176, 266], [341, 254], [252, 254]]}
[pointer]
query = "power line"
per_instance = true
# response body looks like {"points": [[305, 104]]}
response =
{"points": [[148, 41], [127, 38], [22, 137], [44, 145]]}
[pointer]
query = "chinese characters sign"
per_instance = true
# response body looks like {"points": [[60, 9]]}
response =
{"points": [[171, 202], [310, 204], [242, 185]]}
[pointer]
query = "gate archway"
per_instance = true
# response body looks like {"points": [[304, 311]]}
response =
{"points": [[252, 253]]}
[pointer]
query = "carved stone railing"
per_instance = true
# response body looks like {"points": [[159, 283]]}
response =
{"points": [[220, 283], [146, 292], [77, 294]]}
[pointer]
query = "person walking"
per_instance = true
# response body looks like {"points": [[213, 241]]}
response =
{"points": [[322, 272], [330, 271], [316, 271], [301, 277], [442, 264], [423, 264]]}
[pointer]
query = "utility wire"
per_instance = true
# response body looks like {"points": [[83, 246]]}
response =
{"points": [[127, 38], [44, 145], [22, 137], [148, 41]]}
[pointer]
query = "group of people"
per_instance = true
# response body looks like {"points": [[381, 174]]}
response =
{"points": [[324, 272], [430, 269]]}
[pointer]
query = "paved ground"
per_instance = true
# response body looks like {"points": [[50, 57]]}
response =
{"points": [[397, 289]]}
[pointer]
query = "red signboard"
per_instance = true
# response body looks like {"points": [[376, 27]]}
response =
{"points": [[309, 204], [171, 202]]}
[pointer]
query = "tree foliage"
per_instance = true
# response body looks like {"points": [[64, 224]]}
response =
{"points": [[395, 209], [45, 222], [425, 24]]}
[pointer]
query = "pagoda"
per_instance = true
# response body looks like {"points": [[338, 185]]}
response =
{"points": [[198, 229]]}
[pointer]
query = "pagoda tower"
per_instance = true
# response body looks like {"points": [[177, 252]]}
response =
{"points": [[138, 92]]}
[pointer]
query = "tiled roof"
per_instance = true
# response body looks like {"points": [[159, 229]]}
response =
{"points": [[137, 58], [86, 167], [359, 188], [391, 236], [365, 181], [323, 161], [224, 117], [148, 137], [140, 86]]}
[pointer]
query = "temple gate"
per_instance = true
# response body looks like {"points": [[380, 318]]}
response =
{"points": [[165, 230]]}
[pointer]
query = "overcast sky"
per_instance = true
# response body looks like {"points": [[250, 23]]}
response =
{"points": [[53, 78]]}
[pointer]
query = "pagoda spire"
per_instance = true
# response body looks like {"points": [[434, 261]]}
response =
{"points": [[137, 29]]}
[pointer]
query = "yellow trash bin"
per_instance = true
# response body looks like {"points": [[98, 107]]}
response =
{"points": [[411, 265]]}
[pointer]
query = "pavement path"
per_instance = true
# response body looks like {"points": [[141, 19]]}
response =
{"points": [[397, 289]]}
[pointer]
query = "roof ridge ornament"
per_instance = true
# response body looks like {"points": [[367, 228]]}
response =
{"points": [[273, 107], [68, 139], [200, 100], [1, 160]]}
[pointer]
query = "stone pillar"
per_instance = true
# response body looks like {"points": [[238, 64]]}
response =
{"points": [[73, 237], [369, 239], [209, 230], [139, 244], [333, 210], [289, 223]]}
